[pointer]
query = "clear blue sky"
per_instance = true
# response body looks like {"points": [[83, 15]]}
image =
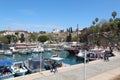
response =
{"points": [[45, 15]]}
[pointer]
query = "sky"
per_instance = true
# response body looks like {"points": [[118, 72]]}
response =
{"points": [[46, 15]]}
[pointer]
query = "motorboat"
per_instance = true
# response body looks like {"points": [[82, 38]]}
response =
{"points": [[38, 49], [1, 51], [14, 50], [7, 52], [80, 55], [19, 68], [25, 51], [5, 70]]}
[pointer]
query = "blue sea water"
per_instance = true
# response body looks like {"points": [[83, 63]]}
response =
{"points": [[68, 58]]}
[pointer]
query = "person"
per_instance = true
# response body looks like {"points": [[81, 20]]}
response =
{"points": [[104, 56], [53, 66]]}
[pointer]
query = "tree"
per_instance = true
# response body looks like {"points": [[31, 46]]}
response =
{"points": [[11, 38], [22, 39], [96, 20], [93, 22], [114, 14], [33, 37], [4, 39], [71, 29], [43, 38], [69, 38], [110, 20]]}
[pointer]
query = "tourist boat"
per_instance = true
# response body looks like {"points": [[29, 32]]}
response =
{"points": [[72, 47], [5, 70], [7, 52], [19, 68], [72, 50]]}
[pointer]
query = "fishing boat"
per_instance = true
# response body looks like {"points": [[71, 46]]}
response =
{"points": [[19, 68], [5, 70]]}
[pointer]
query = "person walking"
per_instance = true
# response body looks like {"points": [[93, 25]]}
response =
{"points": [[54, 66]]}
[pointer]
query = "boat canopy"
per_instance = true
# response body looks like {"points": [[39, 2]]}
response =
{"points": [[56, 58], [6, 63]]}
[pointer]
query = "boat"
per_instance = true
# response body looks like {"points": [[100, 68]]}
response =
{"points": [[13, 49], [7, 52], [72, 50], [72, 47], [34, 65], [48, 49], [19, 68], [38, 49], [81, 55], [1, 51], [25, 51], [5, 70]]}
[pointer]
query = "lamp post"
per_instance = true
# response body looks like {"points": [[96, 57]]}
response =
{"points": [[40, 62], [85, 66]]}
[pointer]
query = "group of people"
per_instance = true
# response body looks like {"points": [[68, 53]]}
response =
{"points": [[106, 56], [100, 55]]}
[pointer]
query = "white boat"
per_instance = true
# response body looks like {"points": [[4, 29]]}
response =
{"points": [[1, 51], [7, 52], [80, 54], [19, 68], [58, 60], [14, 50], [25, 51], [38, 49], [48, 49]]}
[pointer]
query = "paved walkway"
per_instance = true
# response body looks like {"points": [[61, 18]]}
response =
{"points": [[96, 70]]}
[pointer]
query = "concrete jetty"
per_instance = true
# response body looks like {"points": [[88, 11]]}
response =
{"points": [[95, 70]]}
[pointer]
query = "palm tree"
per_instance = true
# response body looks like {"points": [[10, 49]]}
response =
{"points": [[114, 14], [110, 20], [96, 20], [93, 22]]}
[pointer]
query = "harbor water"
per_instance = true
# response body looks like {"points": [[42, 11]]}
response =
{"points": [[69, 59]]}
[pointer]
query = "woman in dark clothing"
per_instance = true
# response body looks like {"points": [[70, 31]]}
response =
{"points": [[53, 66]]}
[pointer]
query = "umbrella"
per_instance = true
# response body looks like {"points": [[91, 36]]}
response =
{"points": [[5, 63]]}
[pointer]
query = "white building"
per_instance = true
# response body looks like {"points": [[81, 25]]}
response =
{"points": [[55, 31]]}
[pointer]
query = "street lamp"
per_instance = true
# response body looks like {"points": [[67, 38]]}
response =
{"points": [[41, 57], [85, 65]]}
